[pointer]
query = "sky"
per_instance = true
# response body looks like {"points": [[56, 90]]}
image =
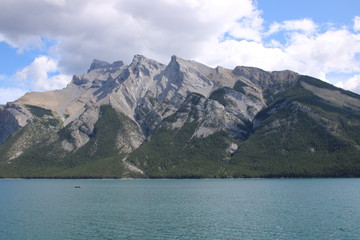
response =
{"points": [[43, 43]]}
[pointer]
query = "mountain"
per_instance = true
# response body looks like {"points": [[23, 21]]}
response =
{"points": [[184, 119]]}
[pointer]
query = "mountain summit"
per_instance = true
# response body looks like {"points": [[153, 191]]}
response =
{"points": [[184, 119]]}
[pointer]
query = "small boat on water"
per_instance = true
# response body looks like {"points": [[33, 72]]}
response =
{"points": [[77, 186]]}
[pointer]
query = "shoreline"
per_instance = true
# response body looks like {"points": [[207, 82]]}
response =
{"points": [[97, 178]]}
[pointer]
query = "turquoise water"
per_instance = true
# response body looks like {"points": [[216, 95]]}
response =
{"points": [[180, 209]]}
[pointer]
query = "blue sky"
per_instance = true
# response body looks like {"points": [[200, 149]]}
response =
{"points": [[44, 42], [331, 11]]}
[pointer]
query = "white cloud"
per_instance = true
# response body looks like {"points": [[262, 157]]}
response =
{"points": [[10, 94], [352, 84], [42, 74], [331, 51], [192, 29], [56, 2], [113, 30], [244, 52], [357, 23], [303, 25], [315, 55], [248, 28]]}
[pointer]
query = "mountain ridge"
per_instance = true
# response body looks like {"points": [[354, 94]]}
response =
{"points": [[220, 111]]}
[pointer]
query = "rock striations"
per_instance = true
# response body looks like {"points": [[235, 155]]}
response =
{"points": [[184, 119]]}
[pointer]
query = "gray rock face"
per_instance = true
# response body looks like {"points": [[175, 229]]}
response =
{"points": [[264, 79], [8, 126], [232, 148], [81, 129], [102, 65], [12, 118], [182, 119], [147, 92]]}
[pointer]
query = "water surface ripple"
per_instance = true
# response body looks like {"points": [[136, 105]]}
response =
{"points": [[180, 209]]}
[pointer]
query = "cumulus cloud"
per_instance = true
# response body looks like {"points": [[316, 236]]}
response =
{"points": [[352, 84], [304, 25], [357, 23], [248, 28], [113, 30], [245, 52], [42, 74], [331, 51], [10, 94], [226, 33]]}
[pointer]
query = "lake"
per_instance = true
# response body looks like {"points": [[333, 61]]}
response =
{"points": [[180, 209]]}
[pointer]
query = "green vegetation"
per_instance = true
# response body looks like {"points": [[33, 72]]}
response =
{"points": [[38, 111], [175, 154], [65, 134], [11, 141], [99, 158], [321, 84], [239, 87], [288, 143], [219, 95], [45, 116], [299, 94], [298, 135], [298, 147]]}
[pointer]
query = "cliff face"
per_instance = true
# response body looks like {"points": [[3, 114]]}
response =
{"points": [[12, 118], [183, 119]]}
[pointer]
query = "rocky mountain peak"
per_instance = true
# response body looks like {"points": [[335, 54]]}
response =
{"points": [[105, 66], [189, 65], [138, 59], [266, 79], [164, 118], [174, 62], [179, 60], [142, 66], [96, 64]]}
